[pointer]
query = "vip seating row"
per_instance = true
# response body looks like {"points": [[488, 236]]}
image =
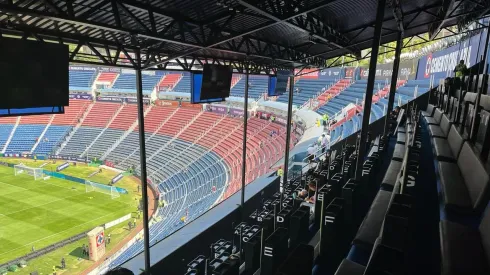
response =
{"points": [[384, 240], [464, 187], [286, 233]]}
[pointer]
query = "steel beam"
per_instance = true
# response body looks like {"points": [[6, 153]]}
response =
{"points": [[244, 144], [394, 78], [443, 13], [143, 179], [334, 38], [256, 29], [475, 123], [370, 86], [288, 135]]}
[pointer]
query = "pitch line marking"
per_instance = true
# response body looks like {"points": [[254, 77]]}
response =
{"points": [[55, 234], [14, 185]]}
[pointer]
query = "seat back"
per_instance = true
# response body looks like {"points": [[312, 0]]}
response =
{"points": [[445, 125], [438, 115], [455, 141], [475, 177], [430, 109], [485, 233]]}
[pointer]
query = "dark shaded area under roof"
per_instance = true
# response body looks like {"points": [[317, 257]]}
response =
{"points": [[268, 33]]}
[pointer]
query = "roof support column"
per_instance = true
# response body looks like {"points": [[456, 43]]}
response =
{"points": [[475, 123], [244, 142], [143, 176], [370, 86], [288, 136], [394, 78]]}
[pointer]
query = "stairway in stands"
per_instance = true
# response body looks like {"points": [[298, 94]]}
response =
{"points": [[169, 81], [179, 131], [333, 91], [9, 139], [74, 114], [153, 124], [41, 137], [103, 122], [126, 133]]}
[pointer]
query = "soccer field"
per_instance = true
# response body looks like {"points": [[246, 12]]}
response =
{"points": [[43, 212]]}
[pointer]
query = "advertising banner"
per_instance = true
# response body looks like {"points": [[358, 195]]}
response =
{"points": [[168, 103], [81, 96], [441, 64], [236, 112], [217, 109], [109, 69], [307, 73], [62, 166], [349, 72], [331, 73], [407, 70], [82, 68], [134, 100], [117, 178], [110, 99], [190, 105]]}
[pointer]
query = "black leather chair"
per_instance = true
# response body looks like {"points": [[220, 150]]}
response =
{"points": [[436, 119], [465, 184], [465, 250], [441, 130], [447, 149]]}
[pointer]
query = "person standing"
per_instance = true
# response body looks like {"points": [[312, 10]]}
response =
{"points": [[109, 238], [460, 70], [134, 223], [324, 143], [63, 263]]}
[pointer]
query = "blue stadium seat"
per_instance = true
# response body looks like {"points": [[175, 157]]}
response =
{"points": [[81, 80], [24, 138], [51, 139]]}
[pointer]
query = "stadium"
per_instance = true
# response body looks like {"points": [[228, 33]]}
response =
{"points": [[366, 162]]}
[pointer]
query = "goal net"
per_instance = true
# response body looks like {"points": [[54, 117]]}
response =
{"points": [[37, 173], [101, 188]]}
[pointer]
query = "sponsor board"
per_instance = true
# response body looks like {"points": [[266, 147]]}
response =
{"points": [[350, 72], [217, 109], [81, 96], [406, 71], [441, 64], [62, 166], [236, 112], [117, 178], [190, 105], [168, 103], [307, 73], [331, 73]]}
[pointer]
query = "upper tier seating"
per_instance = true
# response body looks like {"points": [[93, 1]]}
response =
{"points": [[107, 78], [184, 84], [308, 89], [256, 88], [169, 81], [81, 80], [126, 83], [352, 94], [72, 113]]}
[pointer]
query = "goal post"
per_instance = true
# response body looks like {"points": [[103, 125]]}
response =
{"points": [[37, 173], [91, 186]]}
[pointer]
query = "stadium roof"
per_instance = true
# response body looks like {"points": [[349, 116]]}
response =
{"points": [[268, 33]]}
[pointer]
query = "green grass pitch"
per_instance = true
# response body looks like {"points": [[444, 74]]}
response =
{"points": [[43, 212]]}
